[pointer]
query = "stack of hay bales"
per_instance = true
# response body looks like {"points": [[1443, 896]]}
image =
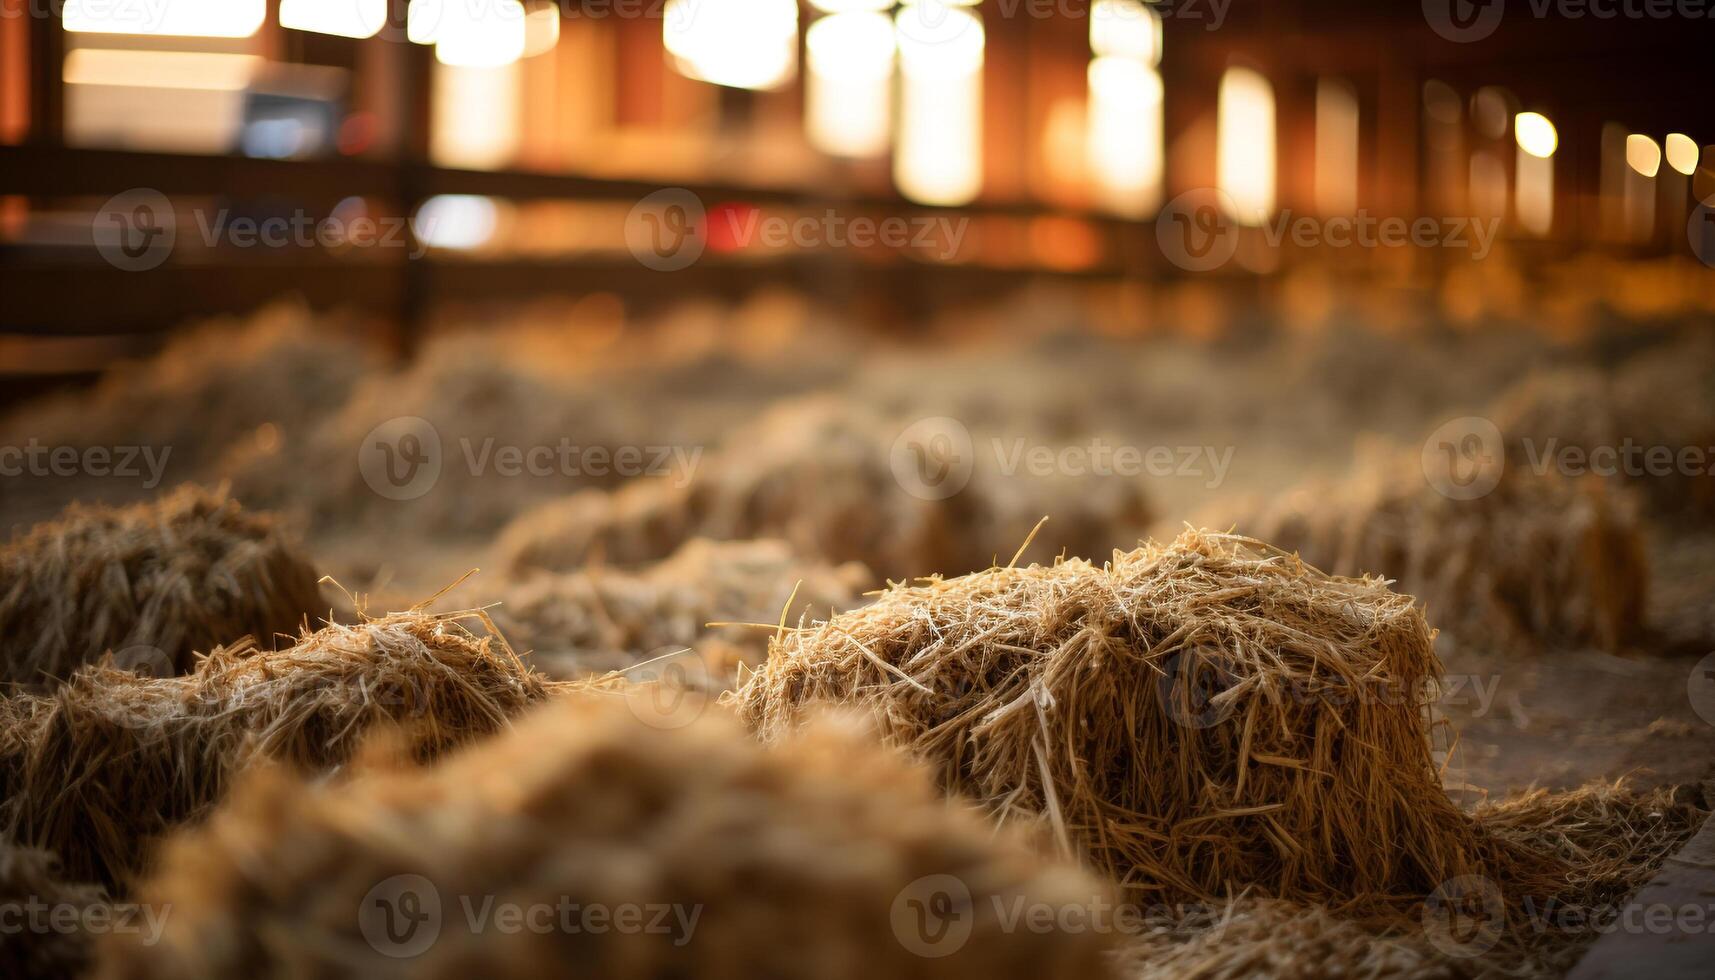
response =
{"points": [[600, 619], [1195, 718], [211, 387], [33, 893], [1540, 561], [818, 473], [153, 582], [816, 859], [109, 760]]}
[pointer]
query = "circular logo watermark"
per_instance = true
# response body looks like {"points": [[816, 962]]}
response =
{"points": [[1465, 916], [400, 459], [1700, 231], [135, 230], [935, 22], [1463, 459], [933, 458], [401, 916], [933, 916], [1463, 21], [145, 660], [1196, 231], [1700, 688], [1189, 688], [670, 688], [667, 230]]}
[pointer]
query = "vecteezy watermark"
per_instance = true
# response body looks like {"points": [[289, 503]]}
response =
{"points": [[1465, 916], [933, 459], [138, 229], [670, 687], [403, 459], [1197, 231], [1193, 684], [31, 916], [1465, 458], [1210, 14], [1700, 231], [1465, 21], [1700, 688], [146, 464], [404, 916], [671, 228]]}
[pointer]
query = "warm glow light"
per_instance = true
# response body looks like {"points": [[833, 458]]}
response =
{"points": [[541, 29], [341, 18], [1535, 134], [1336, 147], [846, 6], [1643, 154], [849, 92], [423, 21], [456, 221], [195, 70], [180, 18], [939, 155], [750, 44], [1533, 201], [480, 35], [477, 119], [1244, 144], [1125, 29], [1682, 153], [1124, 134]]}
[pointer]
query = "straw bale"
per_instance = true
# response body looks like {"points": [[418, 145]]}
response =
{"points": [[1194, 718], [608, 619], [109, 760], [154, 582], [32, 878], [800, 861]]}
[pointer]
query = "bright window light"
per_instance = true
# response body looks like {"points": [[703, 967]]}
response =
{"points": [[1535, 134], [197, 70], [750, 44], [938, 159], [1642, 154], [1124, 134], [849, 91], [1125, 29], [1336, 147], [1244, 144], [456, 221], [541, 29], [179, 18], [341, 18], [1533, 200], [1682, 153], [480, 35], [423, 21], [850, 6]]}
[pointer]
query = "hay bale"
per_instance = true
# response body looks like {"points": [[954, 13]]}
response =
{"points": [[602, 619], [1539, 562], [32, 878], [1195, 717], [155, 581], [109, 760], [1667, 398], [797, 862], [817, 472]]}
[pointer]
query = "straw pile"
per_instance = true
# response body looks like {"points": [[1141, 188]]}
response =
{"points": [[1194, 717], [110, 759], [155, 582], [803, 861], [1668, 397], [605, 619], [817, 473], [1539, 562], [30, 877]]}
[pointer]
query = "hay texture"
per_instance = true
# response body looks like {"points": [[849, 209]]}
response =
{"points": [[154, 582], [31, 877], [109, 760], [818, 473], [1540, 562], [1195, 718], [601, 619], [795, 861]]}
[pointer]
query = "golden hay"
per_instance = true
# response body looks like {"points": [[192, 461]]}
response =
{"points": [[605, 619], [155, 582], [803, 861], [1611, 839], [1195, 717], [30, 877], [1542, 560], [109, 760], [818, 473]]}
